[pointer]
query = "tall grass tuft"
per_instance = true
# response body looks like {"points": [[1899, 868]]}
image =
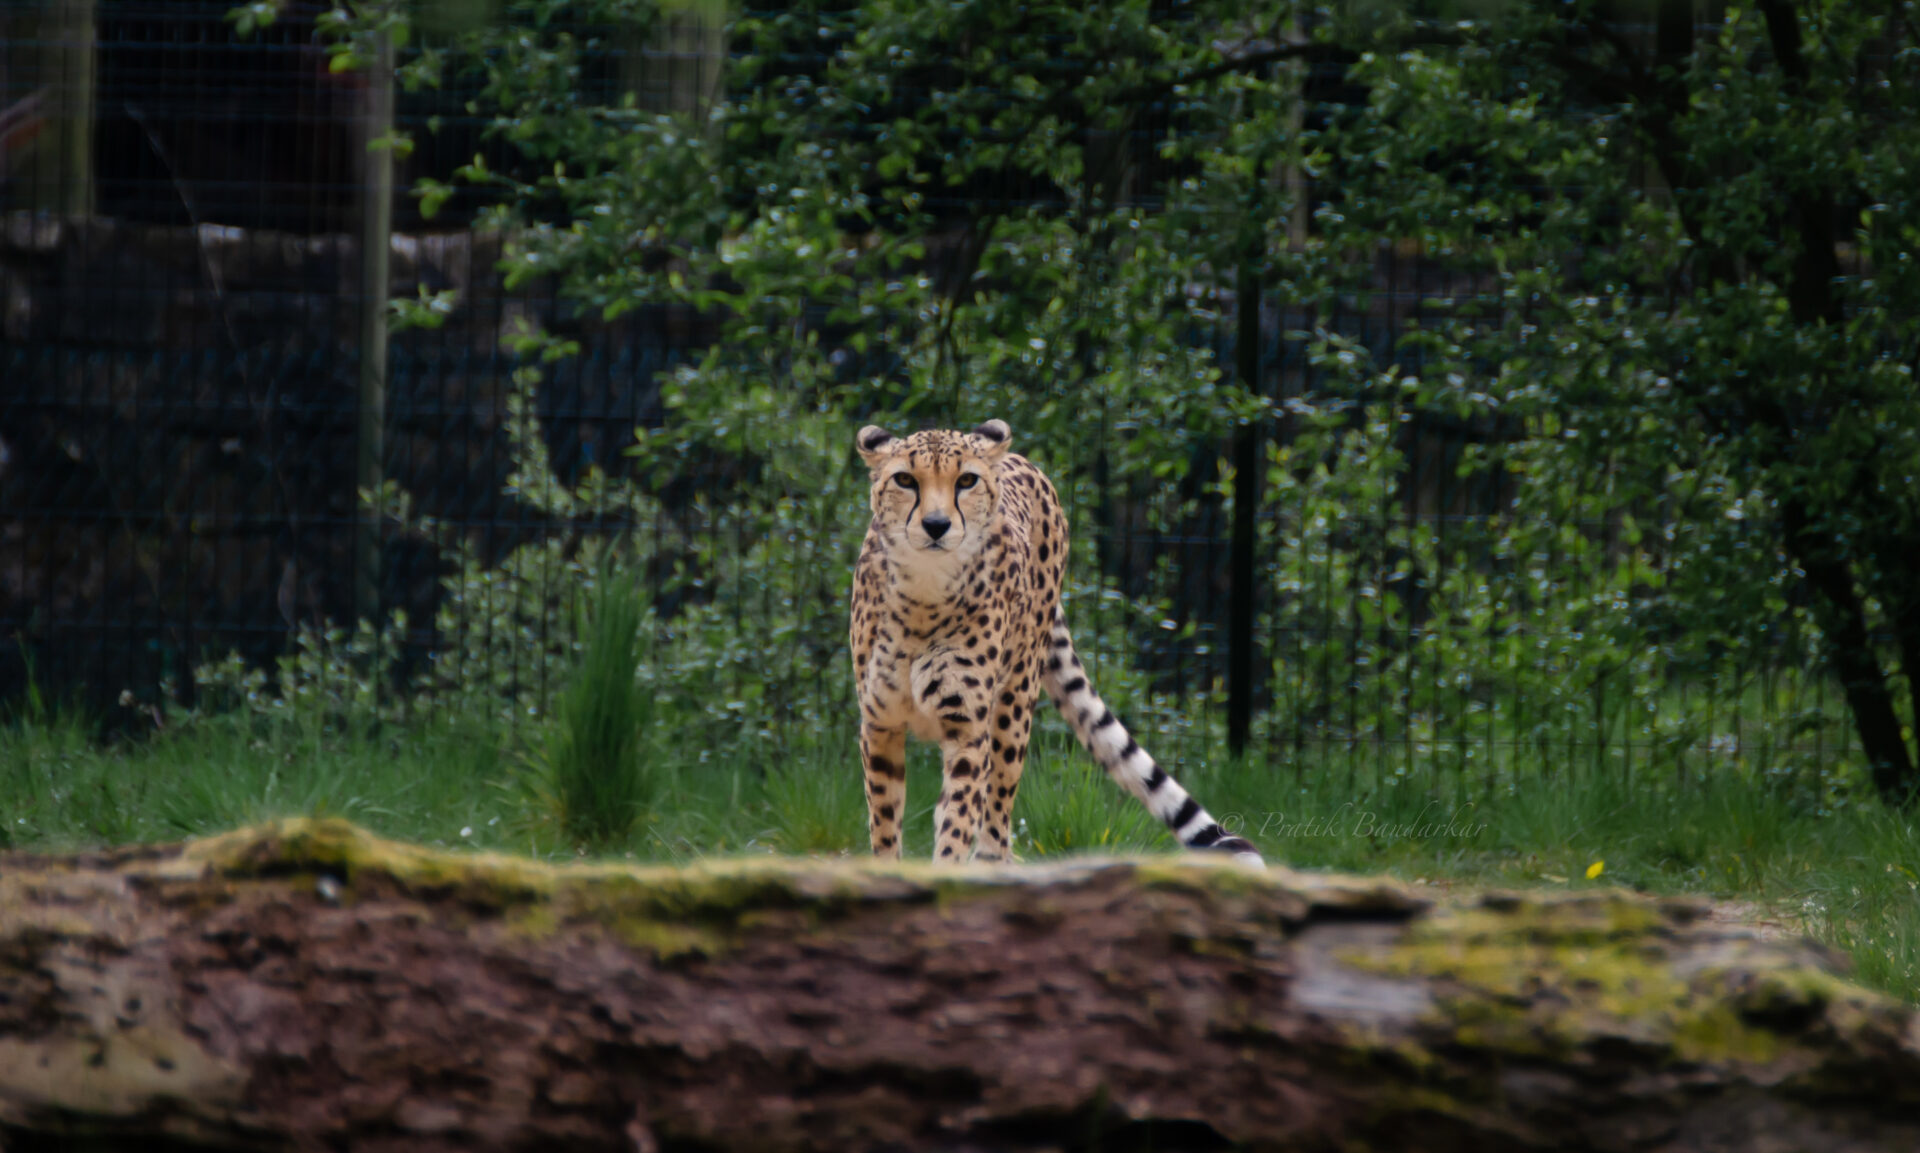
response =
{"points": [[593, 757], [817, 804], [1066, 805]]}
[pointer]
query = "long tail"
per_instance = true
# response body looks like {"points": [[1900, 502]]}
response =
{"points": [[1123, 758]]}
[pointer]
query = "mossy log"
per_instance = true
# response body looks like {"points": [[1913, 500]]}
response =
{"points": [[304, 985]]}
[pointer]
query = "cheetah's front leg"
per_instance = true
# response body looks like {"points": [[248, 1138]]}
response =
{"points": [[883, 754], [952, 689], [963, 795], [1012, 725]]}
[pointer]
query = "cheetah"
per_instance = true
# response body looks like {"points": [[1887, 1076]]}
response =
{"points": [[956, 626]]}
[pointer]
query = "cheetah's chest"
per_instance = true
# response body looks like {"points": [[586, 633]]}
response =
{"points": [[960, 641]]}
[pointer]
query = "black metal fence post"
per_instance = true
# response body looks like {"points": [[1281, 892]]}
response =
{"points": [[376, 228], [1241, 641]]}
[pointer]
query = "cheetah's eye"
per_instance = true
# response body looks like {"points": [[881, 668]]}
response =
{"points": [[904, 480], [967, 481]]}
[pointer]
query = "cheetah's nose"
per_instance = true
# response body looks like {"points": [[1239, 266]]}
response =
{"points": [[936, 525]]}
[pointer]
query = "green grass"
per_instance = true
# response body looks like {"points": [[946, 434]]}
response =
{"points": [[1066, 805], [1849, 873], [58, 789]]}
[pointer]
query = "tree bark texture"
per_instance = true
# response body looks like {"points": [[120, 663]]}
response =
{"points": [[304, 985]]}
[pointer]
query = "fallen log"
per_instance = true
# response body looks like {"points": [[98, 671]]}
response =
{"points": [[304, 985]]}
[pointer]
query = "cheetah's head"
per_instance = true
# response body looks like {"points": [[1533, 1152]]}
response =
{"points": [[936, 491]]}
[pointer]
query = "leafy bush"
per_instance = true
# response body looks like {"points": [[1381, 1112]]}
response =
{"points": [[1693, 449], [331, 684]]}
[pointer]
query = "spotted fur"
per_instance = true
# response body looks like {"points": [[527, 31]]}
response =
{"points": [[957, 626]]}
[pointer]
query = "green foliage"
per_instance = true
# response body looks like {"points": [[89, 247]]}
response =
{"points": [[1506, 649], [1672, 424], [1666, 566], [331, 683], [1722, 350]]}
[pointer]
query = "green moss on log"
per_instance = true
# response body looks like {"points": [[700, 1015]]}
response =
{"points": [[1540, 976], [704, 906]]}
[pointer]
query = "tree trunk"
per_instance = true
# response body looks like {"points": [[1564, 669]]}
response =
{"points": [[305, 986], [1850, 645]]}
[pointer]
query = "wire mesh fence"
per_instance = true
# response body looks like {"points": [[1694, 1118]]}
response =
{"points": [[180, 403]]}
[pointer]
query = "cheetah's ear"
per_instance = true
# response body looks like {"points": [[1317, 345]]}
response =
{"points": [[998, 437], [872, 441]]}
